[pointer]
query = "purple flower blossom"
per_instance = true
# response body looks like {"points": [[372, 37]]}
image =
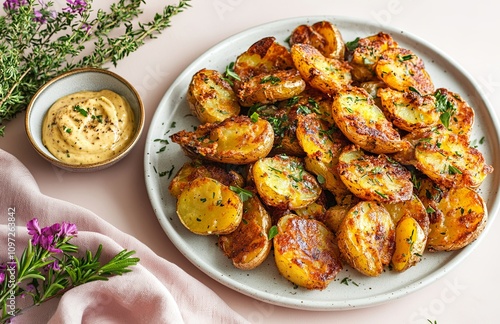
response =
{"points": [[49, 236], [14, 4], [3, 267], [76, 6], [67, 229], [44, 14]]}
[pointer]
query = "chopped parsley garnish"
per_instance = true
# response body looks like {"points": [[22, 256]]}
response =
{"points": [[270, 79], [242, 193], [273, 231], [352, 45], [79, 109]]}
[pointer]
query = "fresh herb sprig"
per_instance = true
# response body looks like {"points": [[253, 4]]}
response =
{"points": [[48, 267], [38, 42]]}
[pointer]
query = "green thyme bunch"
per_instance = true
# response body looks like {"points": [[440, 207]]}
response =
{"points": [[48, 268], [38, 42]]}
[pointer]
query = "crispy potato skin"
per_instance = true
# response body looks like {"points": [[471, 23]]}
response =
{"points": [[270, 88], [459, 218], [363, 123], [305, 252], [461, 115], [236, 140], [209, 207], [448, 159], [323, 35], [366, 238], [410, 242], [403, 70], [211, 98], [197, 169], [248, 246], [374, 178], [325, 74], [409, 110], [282, 182], [367, 54]]}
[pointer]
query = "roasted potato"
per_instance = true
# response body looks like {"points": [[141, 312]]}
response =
{"points": [[269, 88], [248, 246], [366, 238], [197, 169], [448, 159], [207, 207], [456, 114], [327, 175], [367, 53], [264, 56], [403, 70], [236, 140], [323, 35], [325, 74], [282, 181], [305, 252], [459, 218], [376, 178], [211, 97], [409, 110], [410, 243], [363, 123]]}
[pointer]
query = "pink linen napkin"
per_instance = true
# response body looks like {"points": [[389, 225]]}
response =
{"points": [[156, 291]]}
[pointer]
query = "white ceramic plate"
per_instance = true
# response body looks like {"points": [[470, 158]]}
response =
{"points": [[265, 283]]}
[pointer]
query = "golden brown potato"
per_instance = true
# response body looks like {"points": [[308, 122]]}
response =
{"points": [[456, 114], [236, 140], [327, 175], [282, 181], [211, 98], [207, 207], [362, 122], [374, 178], [409, 110], [334, 216], [367, 53], [325, 74], [366, 238], [196, 169], [414, 208], [458, 220], [410, 242], [323, 35], [248, 246], [448, 159], [320, 140], [264, 56], [270, 88], [305, 252], [403, 70]]}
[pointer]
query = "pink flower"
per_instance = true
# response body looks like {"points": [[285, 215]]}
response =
{"points": [[67, 229], [76, 6], [14, 4]]}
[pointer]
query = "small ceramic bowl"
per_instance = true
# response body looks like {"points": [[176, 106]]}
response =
{"points": [[83, 79]]}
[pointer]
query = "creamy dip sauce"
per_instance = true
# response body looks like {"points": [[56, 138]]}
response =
{"points": [[88, 127]]}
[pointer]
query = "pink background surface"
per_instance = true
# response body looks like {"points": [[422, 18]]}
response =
{"points": [[463, 30]]}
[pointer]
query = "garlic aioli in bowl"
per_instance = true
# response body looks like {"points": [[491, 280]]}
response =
{"points": [[88, 127]]}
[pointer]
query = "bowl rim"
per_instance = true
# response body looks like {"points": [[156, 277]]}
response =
{"points": [[91, 166]]}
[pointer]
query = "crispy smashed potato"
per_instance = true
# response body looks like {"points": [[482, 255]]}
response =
{"points": [[248, 246], [325, 74], [270, 88], [403, 70], [197, 169], [346, 152], [459, 218], [236, 140], [283, 182], [409, 110], [211, 97], [305, 252], [208, 207], [357, 116], [367, 53], [366, 238], [374, 178], [323, 35]]}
